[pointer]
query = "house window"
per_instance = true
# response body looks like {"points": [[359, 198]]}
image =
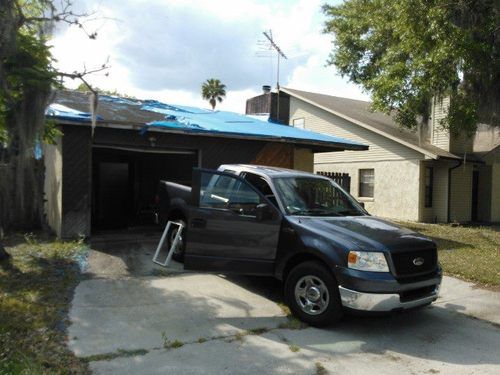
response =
{"points": [[298, 123], [366, 183], [429, 181]]}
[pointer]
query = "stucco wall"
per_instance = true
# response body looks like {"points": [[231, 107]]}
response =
{"points": [[396, 186], [486, 138], [53, 186]]}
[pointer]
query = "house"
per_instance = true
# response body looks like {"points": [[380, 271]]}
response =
{"points": [[425, 175], [106, 177]]}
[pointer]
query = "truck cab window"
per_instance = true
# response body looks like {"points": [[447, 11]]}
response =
{"points": [[262, 186], [226, 192]]}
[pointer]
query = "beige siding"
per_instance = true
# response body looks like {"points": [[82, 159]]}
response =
{"points": [[319, 120], [53, 186], [495, 192], [303, 159], [396, 186], [439, 137], [461, 193]]}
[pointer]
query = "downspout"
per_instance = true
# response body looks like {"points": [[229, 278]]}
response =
{"points": [[460, 162]]}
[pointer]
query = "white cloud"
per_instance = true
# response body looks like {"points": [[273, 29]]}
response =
{"points": [[165, 49]]}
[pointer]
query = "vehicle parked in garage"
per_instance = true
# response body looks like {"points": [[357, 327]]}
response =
{"points": [[303, 229]]}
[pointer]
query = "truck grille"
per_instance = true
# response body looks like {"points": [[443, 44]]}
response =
{"points": [[408, 264]]}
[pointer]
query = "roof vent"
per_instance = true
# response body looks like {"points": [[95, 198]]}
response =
{"points": [[266, 89]]}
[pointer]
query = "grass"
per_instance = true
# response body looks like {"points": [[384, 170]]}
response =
{"points": [[171, 344], [320, 369], [120, 353], [291, 322], [36, 287], [470, 253]]}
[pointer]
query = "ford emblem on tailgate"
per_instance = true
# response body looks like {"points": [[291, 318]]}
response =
{"points": [[418, 261]]}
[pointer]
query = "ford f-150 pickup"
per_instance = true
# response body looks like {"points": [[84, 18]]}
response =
{"points": [[303, 229]]}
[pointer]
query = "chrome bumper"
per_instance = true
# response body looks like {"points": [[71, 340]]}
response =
{"points": [[381, 302]]}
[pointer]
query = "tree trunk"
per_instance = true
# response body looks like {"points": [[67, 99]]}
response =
{"points": [[21, 174], [21, 185]]}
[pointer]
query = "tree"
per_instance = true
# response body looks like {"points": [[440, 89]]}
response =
{"points": [[26, 81], [213, 91], [406, 52]]}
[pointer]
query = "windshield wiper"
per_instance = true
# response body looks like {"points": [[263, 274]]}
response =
{"points": [[316, 212], [350, 213]]}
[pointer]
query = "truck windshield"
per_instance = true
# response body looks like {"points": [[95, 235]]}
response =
{"points": [[308, 196]]}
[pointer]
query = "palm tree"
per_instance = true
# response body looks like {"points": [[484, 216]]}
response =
{"points": [[214, 91]]}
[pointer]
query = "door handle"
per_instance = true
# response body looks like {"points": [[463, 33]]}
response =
{"points": [[198, 223]]}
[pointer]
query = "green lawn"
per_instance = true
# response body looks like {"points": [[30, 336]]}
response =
{"points": [[36, 287], [471, 253]]}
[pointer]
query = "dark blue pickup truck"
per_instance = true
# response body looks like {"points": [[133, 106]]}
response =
{"points": [[305, 230]]}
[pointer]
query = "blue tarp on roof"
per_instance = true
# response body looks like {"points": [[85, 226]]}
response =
{"points": [[65, 113], [196, 120]]}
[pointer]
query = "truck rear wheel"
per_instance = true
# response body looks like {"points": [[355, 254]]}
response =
{"points": [[178, 254], [312, 294]]}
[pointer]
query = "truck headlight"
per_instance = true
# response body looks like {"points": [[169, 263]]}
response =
{"points": [[367, 261]]}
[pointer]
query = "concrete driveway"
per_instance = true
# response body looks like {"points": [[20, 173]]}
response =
{"points": [[130, 317]]}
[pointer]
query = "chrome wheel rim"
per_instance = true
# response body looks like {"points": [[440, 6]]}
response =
{"points": [[312, 295]]}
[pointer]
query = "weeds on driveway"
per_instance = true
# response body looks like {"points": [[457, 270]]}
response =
{"points": [[36, 288], [468, 252]]}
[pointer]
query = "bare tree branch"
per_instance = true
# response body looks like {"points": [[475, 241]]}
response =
{"points": [[94, 99], [64, 15]]}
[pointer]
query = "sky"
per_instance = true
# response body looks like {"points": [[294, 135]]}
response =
{"points": [[166, 49]]}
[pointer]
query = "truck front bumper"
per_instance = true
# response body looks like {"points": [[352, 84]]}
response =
{"points": [[381, 292], [382, 302]]}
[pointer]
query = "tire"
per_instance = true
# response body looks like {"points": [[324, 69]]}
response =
{"points": [[312, 294], [178, 254]]}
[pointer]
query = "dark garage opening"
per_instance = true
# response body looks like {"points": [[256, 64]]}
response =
{"points": [[125, 183]]}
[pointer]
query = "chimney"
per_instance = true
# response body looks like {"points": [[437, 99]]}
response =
{"points": [[266, 89]]}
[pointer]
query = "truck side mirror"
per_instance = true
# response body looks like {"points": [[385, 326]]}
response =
{"points": [[263, 212]]}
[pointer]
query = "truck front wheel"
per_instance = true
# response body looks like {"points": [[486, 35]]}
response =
{"points": [[312, 294]]}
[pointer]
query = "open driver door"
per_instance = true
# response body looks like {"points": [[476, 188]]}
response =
{"points": [[232, 227]]}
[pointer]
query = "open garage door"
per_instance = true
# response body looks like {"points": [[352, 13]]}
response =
{"points": [[125, 183]]}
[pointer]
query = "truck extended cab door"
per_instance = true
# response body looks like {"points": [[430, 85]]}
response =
{"points": [[231, 227]]}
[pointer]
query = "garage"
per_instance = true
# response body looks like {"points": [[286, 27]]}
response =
{"points": [[125, 183], [105, 177]]}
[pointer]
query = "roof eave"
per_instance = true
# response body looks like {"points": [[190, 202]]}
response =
{"points": [[315, 146]]}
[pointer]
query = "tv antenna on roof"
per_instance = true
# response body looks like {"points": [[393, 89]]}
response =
{"points": [[270, 44]]}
